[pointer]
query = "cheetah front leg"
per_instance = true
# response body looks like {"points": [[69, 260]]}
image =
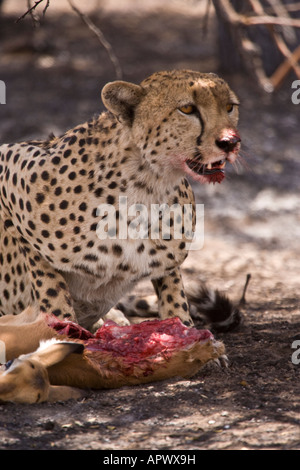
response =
{"points": [[172, 301], [50, 293]]}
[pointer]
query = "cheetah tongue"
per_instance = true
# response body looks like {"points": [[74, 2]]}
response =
{"points": [[212, 168], [215, 172]]}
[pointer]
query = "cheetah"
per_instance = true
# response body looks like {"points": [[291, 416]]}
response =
{"points": [[152, 136]]}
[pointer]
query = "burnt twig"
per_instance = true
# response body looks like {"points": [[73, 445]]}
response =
{"points": [[31, 9], [101, 38], [250, 51]]}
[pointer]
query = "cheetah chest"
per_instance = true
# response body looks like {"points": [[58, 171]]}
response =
{"points": [[127, 261]]}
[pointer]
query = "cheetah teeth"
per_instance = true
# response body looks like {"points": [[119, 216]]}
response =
{"points": [[220, 164], [215, 167], [206, 169]]}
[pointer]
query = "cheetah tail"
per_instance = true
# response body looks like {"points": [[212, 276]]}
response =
{"points": [[214, 307], [206, 304]]}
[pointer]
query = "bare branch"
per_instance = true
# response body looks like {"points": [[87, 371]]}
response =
{"points": [[226, 11], [249, 50], [291, 58], [273, 20], [291, 7], [250, 53], [46, 7], [206, 18], [30, 10], [101, 39], [280, 10], [282, 71]]}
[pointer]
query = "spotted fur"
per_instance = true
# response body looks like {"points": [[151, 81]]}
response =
{"points": [[141, 147], [211, 307]]}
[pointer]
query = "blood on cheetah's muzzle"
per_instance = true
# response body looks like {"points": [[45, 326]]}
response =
{"points": [[215, 172]]}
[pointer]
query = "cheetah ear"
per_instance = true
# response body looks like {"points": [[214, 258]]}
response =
{"points": [[121, 98]]}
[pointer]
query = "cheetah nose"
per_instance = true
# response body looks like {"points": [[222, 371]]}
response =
{"points": [[228, 144]]}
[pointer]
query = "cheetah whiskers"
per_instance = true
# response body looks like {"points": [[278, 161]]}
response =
{"points": [[197, 166], [242, 162], [195, 162]]}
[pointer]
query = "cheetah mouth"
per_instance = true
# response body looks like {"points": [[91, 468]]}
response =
{"points": [[212, 172]]}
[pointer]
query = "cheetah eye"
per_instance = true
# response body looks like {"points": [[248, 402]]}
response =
{"points": [[188, 109], [229, 108]]}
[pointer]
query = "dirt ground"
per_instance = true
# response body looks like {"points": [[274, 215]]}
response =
{"points": [[53, 77]]}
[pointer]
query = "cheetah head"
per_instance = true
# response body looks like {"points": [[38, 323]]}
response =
{"points": [[181, 122]]}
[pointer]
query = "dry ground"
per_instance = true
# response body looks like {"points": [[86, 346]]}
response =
{"points": [[53, 76]]}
